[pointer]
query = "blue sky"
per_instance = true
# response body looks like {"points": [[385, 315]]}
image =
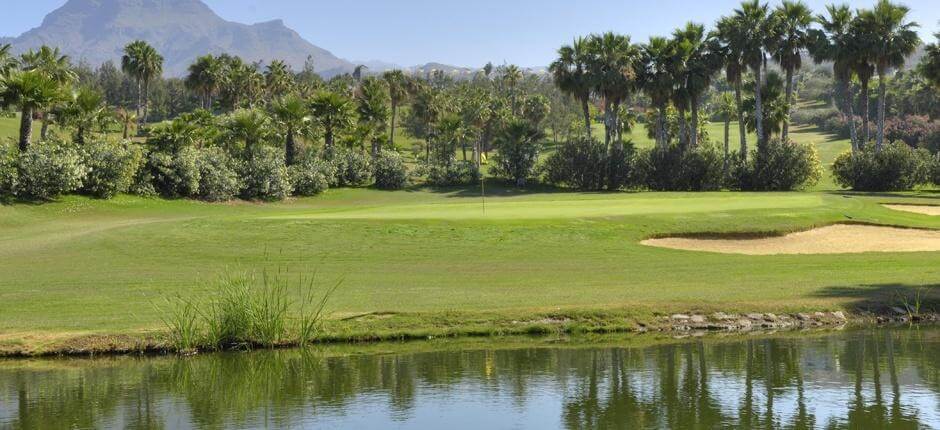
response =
{"points": [[468, 32]]}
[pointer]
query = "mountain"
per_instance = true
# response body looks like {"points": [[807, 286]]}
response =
{"points": [[181, 30]]}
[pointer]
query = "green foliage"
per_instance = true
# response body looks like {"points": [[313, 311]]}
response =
{"points": [[111, 167], [518, 147], [311, 176], [675, 169], [389, 171], [9, 174], [454, 173], [175, 175], [264, 175], [580, 164], [781, 166], [353, 168], [896, 167], [48, 170], [218, 175]]}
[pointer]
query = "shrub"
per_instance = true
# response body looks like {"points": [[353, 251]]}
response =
{"points": [[218, 175], [780, 166], [264, 175], [896, 167], [112, 168], [49, 169], [815, 116], [915, 131], [176, 175], [454, 173], [935, 174], [579, 164], [353, 168], [9, 175], [675, 169], [311, 176], [518, 149], [389, 171]]}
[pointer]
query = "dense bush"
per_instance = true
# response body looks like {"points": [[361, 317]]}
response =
{"points": [[9, 175], [915, 131], [353, 168], [389, 171], [311, 176], [896, 167], [175, 175], [49, 169], [675, 169], [218, 175], [112, 167], [780, 166], [580, 164], [453, 173], [814, 116], [264, 175], [518, 149], [935, 174]]}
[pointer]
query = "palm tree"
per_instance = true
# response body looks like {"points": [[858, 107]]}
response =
{"points": [[834, 43], [727, 108], [793, 20], [612, 63], [511, 76], [250, 126], [54, 64], [657, 81], [205, 78], [752, 17], [398, 93], [334, 113], [731, 35], [29, 91], [894, 39], [930, 65], [7, 61], [291, 114], [142, 62], [127, 119], [357, 72], [572, 76], [863, 65], [373, 109], [278, 79], [701, 59], [85, 111]]}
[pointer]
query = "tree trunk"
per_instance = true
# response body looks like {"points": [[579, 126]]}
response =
{"points": [[26, 129], [727, 140], [866, 112], [289, 148], [126, 129], [427, 151], [683, 137], [848, 111], [463, 147], [759, 108], [661, 128], [80, 135], [44, 131], [140, 101], [391, 137], [608, 123], [586, 109], [882, 104], [328, 138], [789, 101], [742, 128], [146, 101], [693, 138]]}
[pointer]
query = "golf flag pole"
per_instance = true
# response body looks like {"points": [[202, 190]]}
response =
{"points": [[482, 183]]}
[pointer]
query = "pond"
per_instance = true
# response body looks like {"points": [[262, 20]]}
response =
{"points": [[864, 378]]}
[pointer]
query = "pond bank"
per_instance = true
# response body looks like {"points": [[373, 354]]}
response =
{"points": [[393, 327]]}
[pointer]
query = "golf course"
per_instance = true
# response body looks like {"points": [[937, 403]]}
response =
{"points": [[441, 261]]}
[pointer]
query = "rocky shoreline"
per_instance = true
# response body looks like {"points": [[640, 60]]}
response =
{"points": [[720, 321]]}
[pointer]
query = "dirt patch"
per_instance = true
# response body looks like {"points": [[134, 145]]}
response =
{"points": [[917, 209], [834, 239]]}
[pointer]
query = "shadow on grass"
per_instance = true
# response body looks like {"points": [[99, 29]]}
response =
{"points": [[879, 299], [500, 188], [916, 194], [829, 137]]}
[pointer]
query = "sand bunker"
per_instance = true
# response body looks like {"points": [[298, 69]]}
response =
{"points": [[925, 210], [834, 239]]}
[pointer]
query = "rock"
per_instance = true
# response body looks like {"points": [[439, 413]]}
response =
{"points": [[755, 316], [721, 316], [819, 315], [744, 323], [680, 317], [898, 310], [803, 317], [770, 317], [839, 315], [698, 319]]}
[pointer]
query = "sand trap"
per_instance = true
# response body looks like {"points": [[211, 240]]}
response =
{"points": [[834, 239], [925, 210]]}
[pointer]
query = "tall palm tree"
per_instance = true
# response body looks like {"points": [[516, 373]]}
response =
{"points": [[334, 113], [834, 43], [291, 114], [57, 66], [278, 79], [731, 35], [127, 119], [250, 126], [700, 59], [205, 77], [398, 93], [657, 81], [511, 76], [930, 65], [7, 61], [863, 47], [572, 76], [85, 111], [793, 20], [894, 39], [612, 62], [143, 63], [727, 109], [753, 18], [29, 91], [373, 101]]}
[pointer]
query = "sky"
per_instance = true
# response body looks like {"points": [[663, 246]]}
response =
{"points": [[466, 32]]}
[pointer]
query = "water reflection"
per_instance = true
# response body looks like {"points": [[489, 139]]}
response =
{"points": [[858, 379]]}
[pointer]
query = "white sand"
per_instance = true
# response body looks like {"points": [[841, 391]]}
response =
{"points": [[925, 210]]}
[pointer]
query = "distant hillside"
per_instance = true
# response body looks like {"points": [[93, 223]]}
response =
{"points": [[97, 30]]}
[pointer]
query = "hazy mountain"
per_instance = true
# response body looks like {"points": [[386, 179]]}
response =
{"points": [[97, 30]]}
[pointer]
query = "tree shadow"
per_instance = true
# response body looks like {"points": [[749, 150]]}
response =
{"points": [[884, 299], [496, 188], [917, 194]]}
